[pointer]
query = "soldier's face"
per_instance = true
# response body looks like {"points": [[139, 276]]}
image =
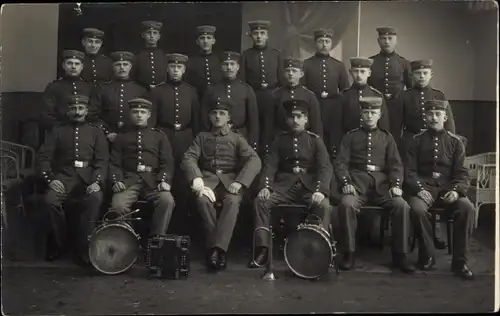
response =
{"points": [[92, 45], [175, 71], [72, 67], [219, 118], [140, 117], [293, 75], [435, 119], [230, 68], [259, 37], [122, 69], [297, 120], [422, 77], [324, 45], [360, 75], [151, 37], [387, 43], [370, 117], [206, 42], [77, 112]]}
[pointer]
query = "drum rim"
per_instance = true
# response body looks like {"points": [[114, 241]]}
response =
{"points": [[101, 227], [315, 229]]}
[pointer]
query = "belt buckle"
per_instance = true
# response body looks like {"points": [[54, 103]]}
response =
{"points": [[324, 94], [141, 168], [177, 126], [78, 164], [370, 167], [120, 124], [388, 95], [436, 175], [264, 85], [296, 169]]}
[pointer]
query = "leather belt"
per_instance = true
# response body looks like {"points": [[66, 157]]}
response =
{"points": [[366, 167], [80, 164], [144, 168]]}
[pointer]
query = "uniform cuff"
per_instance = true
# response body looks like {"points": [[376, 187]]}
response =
{"points": [[396, 183], [345, 181], [47, 176]]}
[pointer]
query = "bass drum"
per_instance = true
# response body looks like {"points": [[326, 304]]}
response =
{"points": [[309, 251], [113, 248]]}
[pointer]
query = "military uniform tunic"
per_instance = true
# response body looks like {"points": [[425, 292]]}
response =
{"points": [[203, 70], [97, 69], [150, 67]]}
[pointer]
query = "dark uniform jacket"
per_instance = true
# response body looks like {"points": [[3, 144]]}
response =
{"points": [[262, 68], [244, 116], [55, 98], [390, 74], [97, 69], [109, 104], [203, 70], [146, 147], [325, 74], [150, 67], [74, 150], [435, 162], [291, 151], [221, 157], [362, 148]]}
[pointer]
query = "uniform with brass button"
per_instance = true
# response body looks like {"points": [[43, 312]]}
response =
{"points": [[369, 170], [74, 161], [141, 164], [96, 67]]}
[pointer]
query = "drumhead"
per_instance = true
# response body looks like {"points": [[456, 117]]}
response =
{"points": [[308, 252], [113, 248]]}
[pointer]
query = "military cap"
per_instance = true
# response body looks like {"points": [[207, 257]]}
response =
{"points": [[386, 31], [205, 30], [323, 33], [430, 105], [291, 62], [296, 104], [122, 56], [176, 58], [361, 62], [93, 33], [222, 104], [78, 99], [140, 103], [421, 64], [259, 25], [151, 25], [370, 103], [71, 53], [230, 56]]}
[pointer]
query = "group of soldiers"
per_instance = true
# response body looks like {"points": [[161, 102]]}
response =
{"points": [[153, 125]]}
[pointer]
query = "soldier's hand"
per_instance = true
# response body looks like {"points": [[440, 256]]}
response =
{"points": [[111, 137], [163, 186], [426, 196], [450, 197], [264, 194], [57, 186], [317, 197], [94, 187], [119, 187], [349, 189], [198, 184], [234, 188], [395, 191], [209, 194]]}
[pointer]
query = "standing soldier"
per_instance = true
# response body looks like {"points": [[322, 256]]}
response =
{"points": [[141, 164], [204, 69], [244, 116], [391, 73], [435, 173], [109, 102], [220, 164], [150, 67], [73, 161], [369, 169], [327, 78], [261, 68], [96, 67]]}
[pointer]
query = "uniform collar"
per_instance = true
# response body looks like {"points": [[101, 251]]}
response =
{"points": [[227, 80], [122, 80], [77, 124], [292, 87], [260, 48], [203, 54], [320, 55], [304, 131], [422, 89], [140, 128], [151, 48], [436, 133], [382, 53], [174, 83], [72, 78], [223, 131], [359, 86], [369, 129]]}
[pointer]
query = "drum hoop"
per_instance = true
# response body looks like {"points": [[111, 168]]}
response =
{"points": [[315, 229], [101, 227]]}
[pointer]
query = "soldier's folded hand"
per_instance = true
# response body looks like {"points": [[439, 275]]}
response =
{"points": [[57, 186], [426, 196], [209, 194], [234, 188], [450, 197], [111, 137], [264, 194], [395, 191], [163, 186], [317, 197], [119, 187], [349, 189], [94, 187], [198, 184]]}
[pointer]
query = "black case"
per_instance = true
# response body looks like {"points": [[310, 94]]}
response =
{"points": [[168, 257]]}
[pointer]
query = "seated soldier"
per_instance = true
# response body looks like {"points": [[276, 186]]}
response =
{"points": [[435, 173], [297, 170], [73, 161], [369, 170], [219, 164], [141, 163]]}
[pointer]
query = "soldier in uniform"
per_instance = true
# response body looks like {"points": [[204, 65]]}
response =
{"points": [[327, 77], [150, 67], [390, 74], [96, 67], [73, 161], [261, 68], [244, 116], [369, 170], [435, 173], [296, 170], [204, 69], [141, 164], [220, 164], [109, 102]]}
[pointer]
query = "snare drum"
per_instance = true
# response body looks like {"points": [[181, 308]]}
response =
{"points": [[113, 247], [309, 251]]}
